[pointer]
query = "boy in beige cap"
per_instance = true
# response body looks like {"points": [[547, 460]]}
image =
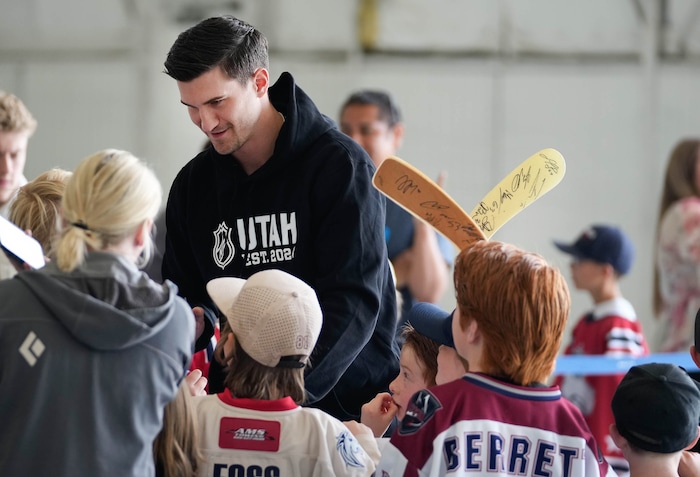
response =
{"points": [[257, 426]]}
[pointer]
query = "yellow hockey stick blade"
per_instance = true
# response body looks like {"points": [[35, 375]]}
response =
{"points": [[532, 179]]}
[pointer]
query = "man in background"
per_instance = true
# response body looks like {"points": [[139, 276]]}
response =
{"points": [[421, 257], [16, 127]]}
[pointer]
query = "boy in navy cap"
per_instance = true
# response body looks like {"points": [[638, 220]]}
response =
{"points": [[435, 323], [656, 409], [428, 358], [602, 254]]}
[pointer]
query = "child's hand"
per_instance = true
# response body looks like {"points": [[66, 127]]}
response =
{"points": [[196, 383], [378, 413]]}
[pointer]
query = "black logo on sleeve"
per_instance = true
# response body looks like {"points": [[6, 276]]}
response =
{"points": [[420, 410]]}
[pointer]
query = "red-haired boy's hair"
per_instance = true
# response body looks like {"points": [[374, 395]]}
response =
{"points": [[520, 303]]}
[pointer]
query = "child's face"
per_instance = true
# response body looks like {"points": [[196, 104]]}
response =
{"points": [[449, 364], [587, 274], [409, 381]]}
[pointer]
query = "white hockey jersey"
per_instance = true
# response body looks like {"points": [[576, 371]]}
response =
{"points": [[250, 437]]}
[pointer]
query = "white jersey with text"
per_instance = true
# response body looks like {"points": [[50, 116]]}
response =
{"points": [[246, 437], [480, 426]]}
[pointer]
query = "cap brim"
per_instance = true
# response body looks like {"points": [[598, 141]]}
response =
{"points": [[567, 248], [432, 321], [224, 292]]}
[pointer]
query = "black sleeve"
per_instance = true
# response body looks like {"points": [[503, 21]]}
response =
{"points": [[351, 274], [179, 264]]}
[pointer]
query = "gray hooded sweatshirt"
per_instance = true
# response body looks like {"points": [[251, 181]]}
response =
{"points": [[88, 360]]}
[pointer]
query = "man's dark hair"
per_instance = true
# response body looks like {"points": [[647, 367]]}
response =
{"points": [[388, 112], [223, 41]]}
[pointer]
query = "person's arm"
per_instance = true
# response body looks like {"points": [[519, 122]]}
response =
{"points": [[351, 273], [422, 268], [352, 449], [364, 436], [689, 233], [179, 265]]}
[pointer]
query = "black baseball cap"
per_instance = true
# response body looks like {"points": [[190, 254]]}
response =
{"points": [[604, 244], [657, 407]]}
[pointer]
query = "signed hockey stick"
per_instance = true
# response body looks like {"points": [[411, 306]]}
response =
{"points": [[418, 194], [536, 176]]}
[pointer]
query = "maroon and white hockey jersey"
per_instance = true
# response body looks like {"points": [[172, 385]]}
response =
{"points": [[250, 437], [480, 426]]}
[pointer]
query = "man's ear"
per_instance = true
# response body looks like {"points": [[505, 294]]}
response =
{"points": [[261, 81], [695, 441]]}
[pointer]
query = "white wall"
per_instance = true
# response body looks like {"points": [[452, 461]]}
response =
{"points": [[521, 85]]}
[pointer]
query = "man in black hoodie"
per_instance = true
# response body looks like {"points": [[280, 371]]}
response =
{"points": [[281, 187]]}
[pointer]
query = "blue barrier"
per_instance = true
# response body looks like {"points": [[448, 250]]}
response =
{"points": [[600, 365]]}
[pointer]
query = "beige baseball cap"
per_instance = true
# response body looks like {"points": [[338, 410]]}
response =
{"points": [[273, 315]]}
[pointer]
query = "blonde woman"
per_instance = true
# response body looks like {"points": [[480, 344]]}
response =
{"points": [[91, 349], [677, 272], [37, 207]]}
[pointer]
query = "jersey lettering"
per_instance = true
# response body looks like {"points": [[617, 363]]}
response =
{"points": [[451, 453], [544, 460], [267, 238], [237, 470], [267, 231], [514, 457], [518, 458]]}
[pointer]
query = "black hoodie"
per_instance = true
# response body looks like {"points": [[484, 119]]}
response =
{"points": [[310, 210]]}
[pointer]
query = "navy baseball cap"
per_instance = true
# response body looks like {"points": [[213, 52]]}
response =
{"points": [[657, 407], [432, 321], [604, 244]]}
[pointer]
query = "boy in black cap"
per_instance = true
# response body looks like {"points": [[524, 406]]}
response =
{"points": [[657, 410], [601, 255], [690, 461]]}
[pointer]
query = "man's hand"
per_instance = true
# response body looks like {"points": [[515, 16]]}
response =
{"points": [[199, 321]]}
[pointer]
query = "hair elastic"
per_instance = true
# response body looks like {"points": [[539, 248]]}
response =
{"points": [[81, 225]]}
